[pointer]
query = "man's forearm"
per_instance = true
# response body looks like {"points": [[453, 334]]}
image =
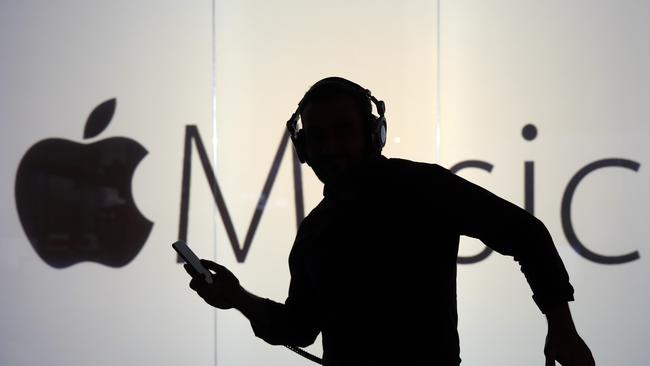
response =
{"points": [[253, 307], [264, 316]]}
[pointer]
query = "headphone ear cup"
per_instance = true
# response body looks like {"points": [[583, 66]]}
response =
{"points": [[299, 144], [382, 132], [378, 133]]}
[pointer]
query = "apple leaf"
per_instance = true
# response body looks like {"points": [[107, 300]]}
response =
{"points": [[99, 118]]}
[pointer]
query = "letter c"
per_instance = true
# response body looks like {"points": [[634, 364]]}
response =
{"points": [[567, 198]]}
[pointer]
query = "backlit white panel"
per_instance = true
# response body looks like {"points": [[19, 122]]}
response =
{"points": [[60, 60], [577, 71]]}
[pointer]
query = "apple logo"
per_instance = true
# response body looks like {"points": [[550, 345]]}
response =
{"points": [[74, 200]]}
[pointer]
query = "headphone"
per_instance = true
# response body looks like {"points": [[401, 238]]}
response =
{"points": [[377, 124]]}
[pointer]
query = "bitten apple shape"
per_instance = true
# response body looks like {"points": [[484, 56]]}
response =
{"points": [[74, 200]]}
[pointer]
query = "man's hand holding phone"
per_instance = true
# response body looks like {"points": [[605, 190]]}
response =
{"points": [[213, 282], [225, 290]]}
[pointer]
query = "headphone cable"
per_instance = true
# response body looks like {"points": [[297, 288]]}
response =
{"points": [[305, 354]]}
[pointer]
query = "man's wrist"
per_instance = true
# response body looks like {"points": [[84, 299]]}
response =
{"points": [[240, 298], [559, 318]]}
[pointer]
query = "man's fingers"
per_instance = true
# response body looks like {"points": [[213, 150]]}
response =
{"points": [[195, 284], [549, 355], [211, 265], [592, 362], [190, 270], [198, 284]]}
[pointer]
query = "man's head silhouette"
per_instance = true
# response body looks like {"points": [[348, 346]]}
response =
{"points": [[338, 127]]}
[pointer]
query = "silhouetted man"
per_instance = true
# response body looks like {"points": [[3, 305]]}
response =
{"points": [[373, 265]]}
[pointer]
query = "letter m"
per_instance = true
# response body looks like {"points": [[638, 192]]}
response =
{"points": [[241, 250]]}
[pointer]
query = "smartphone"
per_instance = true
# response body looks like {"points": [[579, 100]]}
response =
{"points": [[190, 258]]}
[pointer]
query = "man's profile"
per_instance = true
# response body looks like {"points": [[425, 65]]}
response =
{"points": [[373, 265]]}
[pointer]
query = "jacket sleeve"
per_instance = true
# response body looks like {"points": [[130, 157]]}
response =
{"points": [[294, 322], [509, 230]]}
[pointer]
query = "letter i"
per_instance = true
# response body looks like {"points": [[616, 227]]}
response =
{"points": [[529, 132]]}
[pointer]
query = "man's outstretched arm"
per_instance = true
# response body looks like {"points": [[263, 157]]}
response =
{"points": [[511, 230], [276, 323]]}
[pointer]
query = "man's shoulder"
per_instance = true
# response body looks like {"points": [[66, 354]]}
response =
{"points": [[404, 168], [408, 163], [315, 218], [309, 230], [317, 212]]}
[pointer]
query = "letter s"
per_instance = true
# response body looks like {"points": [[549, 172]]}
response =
{"points": [[488, 168]]}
